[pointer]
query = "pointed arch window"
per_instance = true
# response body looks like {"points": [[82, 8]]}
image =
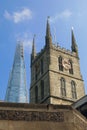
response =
{"points": [[71, 67], [42, 89], [36, 94], [63, 87], [60, 63], [73, 90], [41, 66], [35, 72]]}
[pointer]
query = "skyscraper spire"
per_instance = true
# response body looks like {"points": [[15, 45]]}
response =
{"points": [[48, 34], [16, 89], [74, 45], [33, 55]]}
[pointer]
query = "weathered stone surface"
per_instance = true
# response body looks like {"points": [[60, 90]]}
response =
{"points": [[52, 76], [31, 116], [15, 116]]}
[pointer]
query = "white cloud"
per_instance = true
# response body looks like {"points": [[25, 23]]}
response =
{"points": [[7, 15], [26, 40], [66, 14], [27, 43], [24, 14]]}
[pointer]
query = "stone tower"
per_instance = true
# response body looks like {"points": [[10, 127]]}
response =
{"points": [[17, 90], [55, 73]]}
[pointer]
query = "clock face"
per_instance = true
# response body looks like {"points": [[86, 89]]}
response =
{"points": [[66, 64]]}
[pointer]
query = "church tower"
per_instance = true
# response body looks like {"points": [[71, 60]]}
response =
{"points": [[55, 73], [16, 89]]}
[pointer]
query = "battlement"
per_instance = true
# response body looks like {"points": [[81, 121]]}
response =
{"points": [[57, 48], [62, 49]]}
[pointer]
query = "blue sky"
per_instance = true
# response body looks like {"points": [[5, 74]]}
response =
{"points": [[20, 20]]}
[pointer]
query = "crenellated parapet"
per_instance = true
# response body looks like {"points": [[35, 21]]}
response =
{"points": [[63, 50]]}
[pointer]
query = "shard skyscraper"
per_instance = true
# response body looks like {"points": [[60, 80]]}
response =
{"points": [[16, 89]]}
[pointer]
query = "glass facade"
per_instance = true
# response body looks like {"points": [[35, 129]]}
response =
{"points": [[16, 89]]}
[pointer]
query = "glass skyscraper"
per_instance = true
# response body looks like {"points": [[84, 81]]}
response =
{"points": [[16, 89]]}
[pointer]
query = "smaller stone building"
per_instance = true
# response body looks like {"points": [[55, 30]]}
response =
{"points": [[21, 116]]}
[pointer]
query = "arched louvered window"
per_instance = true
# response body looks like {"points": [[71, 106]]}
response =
{"points": [[63, 87], [60, 63], [71, 67], [42, 89], [36, 94], [73, 90]]}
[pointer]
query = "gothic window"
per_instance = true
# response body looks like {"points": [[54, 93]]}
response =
{"points": [[35, 72], [63, 87], [36, 77], [71, 67], [60, 63], [41, 66], [42, 89], [73, 90], [36, 94]]}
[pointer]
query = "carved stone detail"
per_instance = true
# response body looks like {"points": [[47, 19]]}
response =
{"points": [[31, 116]]}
